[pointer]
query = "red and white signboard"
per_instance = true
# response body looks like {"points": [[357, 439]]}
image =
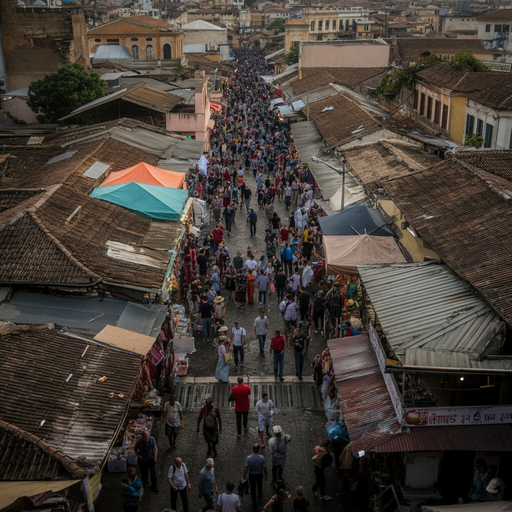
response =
{"points": [[449, 416]]}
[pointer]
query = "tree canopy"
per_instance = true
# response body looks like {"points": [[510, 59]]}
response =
{"points": [[58, 94], [277, 24], [293, 56], [466, 60]]}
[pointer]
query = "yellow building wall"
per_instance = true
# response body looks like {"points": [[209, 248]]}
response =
{"points": [[457, 118], [416, 247]]}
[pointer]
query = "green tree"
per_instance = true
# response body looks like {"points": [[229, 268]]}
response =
{"points": [[58, 94], [466, 60], [293, 56], [474, 141], [277, 24]]}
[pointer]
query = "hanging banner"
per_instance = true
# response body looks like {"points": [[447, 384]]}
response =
{"points": [[449, 416]]}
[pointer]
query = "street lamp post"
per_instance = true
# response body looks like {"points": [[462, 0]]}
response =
{"points": [[342, 171]]}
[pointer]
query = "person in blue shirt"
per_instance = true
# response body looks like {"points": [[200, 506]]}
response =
{"points": [[287, 259], [132, 491], [253, 218]]}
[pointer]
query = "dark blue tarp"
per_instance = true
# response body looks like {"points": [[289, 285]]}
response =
{"points": [[353, 221]]}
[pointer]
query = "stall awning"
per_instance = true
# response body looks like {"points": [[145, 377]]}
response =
{"points": [[480, 438], [369, 413]]}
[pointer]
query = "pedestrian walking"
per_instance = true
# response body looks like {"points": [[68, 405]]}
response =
{"points": [[300, 503], [280, 283], [278, 445], [222, 369], [172, 418], [207, 485], [239, 341], [256, 468], [132, 491], [319, 310], [146, 451], [229, 501], [260, 330], [278, 346], [289, 310], [179, 482], [240, 394], [299, 348], [262, 285], [205, 310], [212, 425], [322, 460], [304, 299], [265, 408], [253, 219], [276, 503]]}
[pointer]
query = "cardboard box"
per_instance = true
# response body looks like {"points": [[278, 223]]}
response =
{"points": [[117, 466]]}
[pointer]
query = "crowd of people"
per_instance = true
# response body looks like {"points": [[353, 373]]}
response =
{"points": [[255, 470]]}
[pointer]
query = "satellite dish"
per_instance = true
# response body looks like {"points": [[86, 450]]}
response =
{"points": [[58, 2]]}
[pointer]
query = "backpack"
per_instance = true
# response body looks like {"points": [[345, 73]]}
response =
{"points": [[210, 419]]}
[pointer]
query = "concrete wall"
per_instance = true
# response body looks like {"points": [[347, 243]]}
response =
{"points": [[39, 41], [18, 108], [211, 38], [349, 56]]}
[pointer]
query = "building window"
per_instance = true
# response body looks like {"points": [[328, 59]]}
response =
{"points": [[429, 107], [320, 23], [112, 41], [444, 120], [150, 52], [487, 28], [422, 104], [437, 112], [488, 135], [135, 52], [479, 126], [326, 24], [135, 39], [366, 28], [497, 28], [506, 28], [312, 27], [149, 39], [97, 40], [167, 51], [341, 25], [510, 143], [470, 124]]}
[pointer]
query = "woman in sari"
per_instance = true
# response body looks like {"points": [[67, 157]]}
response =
{"points": [[222, 370], [241, 287], [250, 287]]}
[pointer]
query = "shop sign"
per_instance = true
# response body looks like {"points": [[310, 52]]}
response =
{"points": [[449, 416], [388, 378]]}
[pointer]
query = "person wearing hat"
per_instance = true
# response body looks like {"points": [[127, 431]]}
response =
{"points": [[219, 306], [222, 370], [277, 445], [238, 338], [207, 485]]}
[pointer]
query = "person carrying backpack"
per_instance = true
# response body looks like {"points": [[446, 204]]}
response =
{"points": [[212, 425], [276, 503]]}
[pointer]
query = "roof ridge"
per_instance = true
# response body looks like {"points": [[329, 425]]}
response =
{"points": [[61, 247], [65, 460]]}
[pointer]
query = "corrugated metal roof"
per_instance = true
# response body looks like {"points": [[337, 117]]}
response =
{"points": [[443, 359], [480, 438], [114, 75], [274, 54], [427, 306], [201, 25], [367, 407], [49, 387], [140, 94], [194, 48], [309, 143]]}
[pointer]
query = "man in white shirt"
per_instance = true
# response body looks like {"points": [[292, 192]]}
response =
{"points": [[179, 482], [172, 418], [260, 331], [265, 408], [251, 263], [238, 338], [228, 501]]}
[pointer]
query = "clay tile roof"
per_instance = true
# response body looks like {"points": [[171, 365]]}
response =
{"points": [[467, 221], [501, 15], [150, 22], [443, 75], [495, 162], [26, 456], [337, 125], [316, 77], [415, 47]]}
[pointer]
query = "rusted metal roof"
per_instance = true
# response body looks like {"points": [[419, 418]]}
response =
{"points": [[480, 438], [369, 414], [28, 457], [49, 387]]}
